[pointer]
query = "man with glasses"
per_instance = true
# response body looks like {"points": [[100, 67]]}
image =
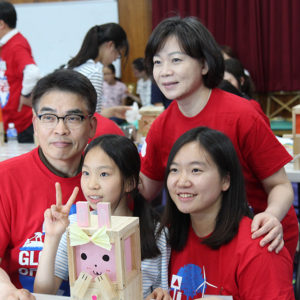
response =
{"points": [[64, 103]]}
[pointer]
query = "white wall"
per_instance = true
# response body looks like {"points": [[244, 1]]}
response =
{"points": [[55, 30]]}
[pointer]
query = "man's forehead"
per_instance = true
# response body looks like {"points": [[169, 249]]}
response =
{"points": [[61, 101]]}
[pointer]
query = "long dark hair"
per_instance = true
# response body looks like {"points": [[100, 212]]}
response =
{"points": [[125, 155], [246, 85], [234, 205], [195, 40], [95, 37]]}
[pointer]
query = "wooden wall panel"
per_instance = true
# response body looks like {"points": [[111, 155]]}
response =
{"points": [[135, 16]]}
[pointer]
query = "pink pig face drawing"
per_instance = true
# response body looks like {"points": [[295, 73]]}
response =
{"points": [[95, 260]]}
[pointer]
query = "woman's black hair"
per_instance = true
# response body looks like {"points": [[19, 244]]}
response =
{"points": [[125, 155], [95, 37], [235, 67], [194, 39], [234, 205]]}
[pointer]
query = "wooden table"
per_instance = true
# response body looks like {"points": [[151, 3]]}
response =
{"points": [[13, 148]]}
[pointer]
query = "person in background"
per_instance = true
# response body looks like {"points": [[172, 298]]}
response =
{"points": [[235, 75], [64, 103], [18, 75], [187, 66], [106, 126], [114, 91], [110, 173], [102, 45], [227, 52], [209, 225], [143, 87]]}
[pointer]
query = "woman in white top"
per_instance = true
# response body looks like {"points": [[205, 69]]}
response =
{"points": [[102, 45]]}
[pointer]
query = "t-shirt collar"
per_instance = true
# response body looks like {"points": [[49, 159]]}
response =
{"points": [[54, 170], [8, 36]]}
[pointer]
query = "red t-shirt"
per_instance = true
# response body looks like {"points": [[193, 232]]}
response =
{"points": [[240, 268], [14, 56], [106, 126], [27, 190], [257, 106], [259, 152]]}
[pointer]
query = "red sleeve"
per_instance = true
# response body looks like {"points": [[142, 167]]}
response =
{"points": [[266, 276], [260, 148], [23, 57], [258, 108], [106, 126]]}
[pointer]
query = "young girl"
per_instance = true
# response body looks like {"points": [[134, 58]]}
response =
{"points": [[110, 173], [187, 66], [102, 45], [143, 86], [114, 91], [209, 226]]}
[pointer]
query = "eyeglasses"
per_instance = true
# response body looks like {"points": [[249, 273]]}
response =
{"points": [[72, 121]]}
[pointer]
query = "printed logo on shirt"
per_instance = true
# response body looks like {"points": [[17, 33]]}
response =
{"points": [[4, 86], [189, 282], [29, 258]]}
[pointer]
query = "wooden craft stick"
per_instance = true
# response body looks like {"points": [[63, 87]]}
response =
{"points": [[83, 214], [81, 285], [106, 289], [104, 214]]}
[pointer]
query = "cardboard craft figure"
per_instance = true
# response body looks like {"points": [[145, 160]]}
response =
{"points": [[104, 255]]}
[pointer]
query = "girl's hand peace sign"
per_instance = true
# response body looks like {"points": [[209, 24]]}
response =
{"points": [[56, 217]]}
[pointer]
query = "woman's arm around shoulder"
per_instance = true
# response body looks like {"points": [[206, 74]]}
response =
{"points": [[280, 199]]}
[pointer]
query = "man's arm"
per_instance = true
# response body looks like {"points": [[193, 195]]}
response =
{"points": [[280, 198], [31, 75], [9, 291], [115, 111], [149, 188]]}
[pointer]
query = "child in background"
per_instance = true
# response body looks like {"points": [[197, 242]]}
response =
{"points": [[114, 91], [110, 173], [210, 226], [143, 86]]}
